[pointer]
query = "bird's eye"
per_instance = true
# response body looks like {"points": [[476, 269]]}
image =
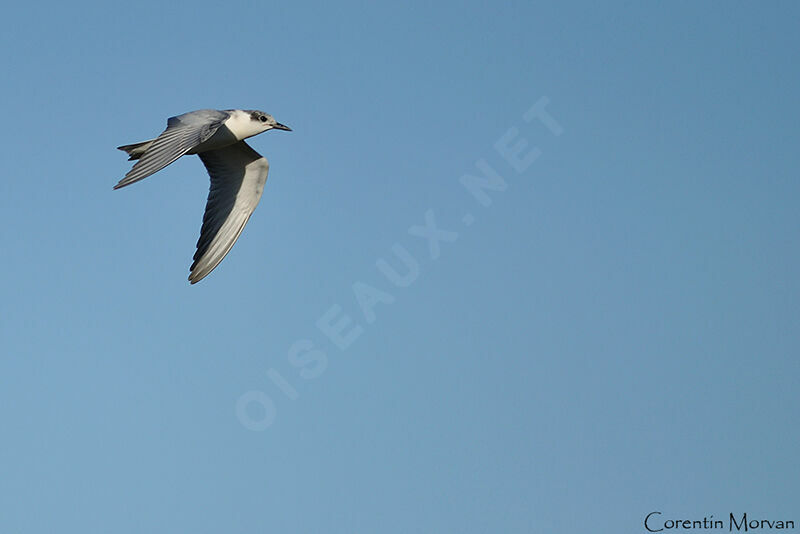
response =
{"points": [[263, 118]]}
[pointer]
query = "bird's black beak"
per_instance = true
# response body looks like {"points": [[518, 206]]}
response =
{"points": [[279, 126]]}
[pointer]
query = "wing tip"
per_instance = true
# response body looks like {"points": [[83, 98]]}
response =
{"points": [[196, 276], [197, 271]]}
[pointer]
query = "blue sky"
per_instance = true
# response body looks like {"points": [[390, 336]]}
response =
{"points": [[615, 333]]}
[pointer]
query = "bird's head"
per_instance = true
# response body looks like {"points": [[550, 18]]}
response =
{"points": [[265, 121]]}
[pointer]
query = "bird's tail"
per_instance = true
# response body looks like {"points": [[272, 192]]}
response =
{"points": [[136, 150]]}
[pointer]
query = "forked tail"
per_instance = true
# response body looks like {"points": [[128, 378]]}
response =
{"points": [[136, 150]]}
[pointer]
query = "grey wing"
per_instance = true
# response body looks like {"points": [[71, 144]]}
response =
{"points": [[238, 174], [183, 133]]}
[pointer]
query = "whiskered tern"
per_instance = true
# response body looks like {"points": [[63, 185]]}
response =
{"points": [[238, 173]]}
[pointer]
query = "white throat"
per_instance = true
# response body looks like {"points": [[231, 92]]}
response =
{"points": [[241, 125]]}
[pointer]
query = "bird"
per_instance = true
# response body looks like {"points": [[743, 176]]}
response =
{"points": [[238, 173]]}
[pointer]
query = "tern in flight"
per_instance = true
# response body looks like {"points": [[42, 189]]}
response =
{"points": [[238, 173]]}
